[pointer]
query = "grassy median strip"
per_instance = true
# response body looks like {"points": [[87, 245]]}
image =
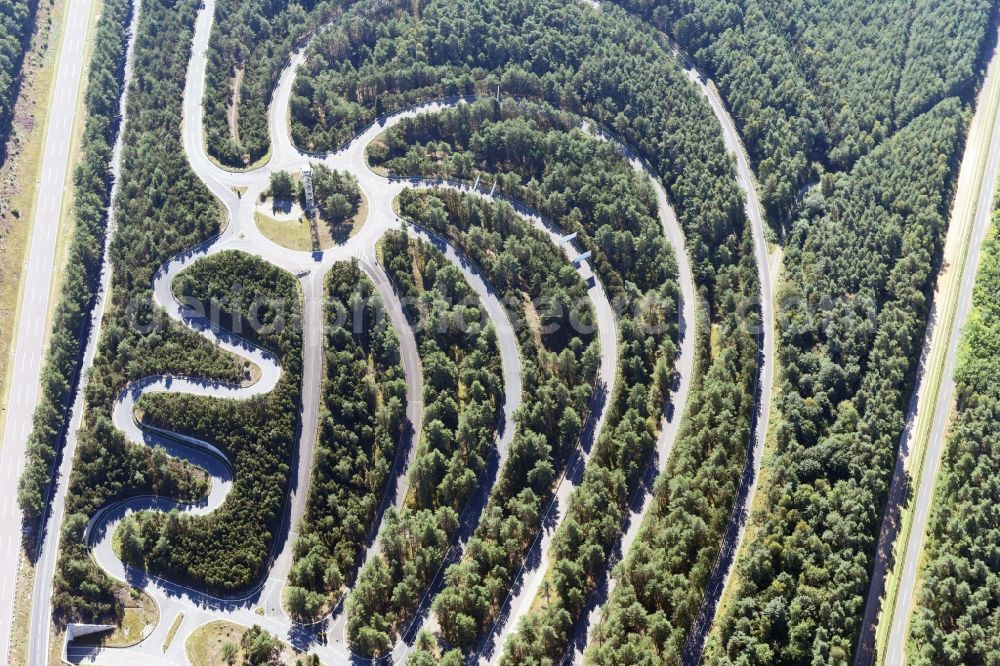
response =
{"points": [[172, 631], [963, 221]]}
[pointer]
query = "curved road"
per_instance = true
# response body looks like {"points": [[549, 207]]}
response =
{"points": [[736, 528], [670, 426], [243, 235], [510, 361], [529, 579]]}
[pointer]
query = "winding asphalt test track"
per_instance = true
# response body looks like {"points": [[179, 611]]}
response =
{"points": [[529, 578], [242, 235], [736, 527], [766, 269], [511, 371]]}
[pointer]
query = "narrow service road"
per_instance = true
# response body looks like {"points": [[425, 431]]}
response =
{"points": [[736, 528], [670, 424]]}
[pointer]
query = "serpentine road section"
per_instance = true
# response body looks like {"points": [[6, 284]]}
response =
{"points": [[29, 343], [934, 395], [261, 605]]}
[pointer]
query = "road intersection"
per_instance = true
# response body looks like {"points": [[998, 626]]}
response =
{"points": [[241, 234], [238, 191]]}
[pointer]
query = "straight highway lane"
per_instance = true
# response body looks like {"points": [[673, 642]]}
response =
{"points": [[29, 344]]}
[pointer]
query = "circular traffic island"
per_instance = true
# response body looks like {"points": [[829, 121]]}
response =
{"points": [[311, 210]]}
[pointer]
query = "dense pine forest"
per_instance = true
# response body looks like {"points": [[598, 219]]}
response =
{"points": [[854, 117], [958, 605], [359, 430], [462, 394], [815, 84], [541, 157], [850, 331], [338, 92], [860, 256], [17, 23], [558, 365]]}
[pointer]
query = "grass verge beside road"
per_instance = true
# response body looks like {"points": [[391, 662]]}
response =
{"points": [[22, 611], [19, 174], [296, 234], [67, 216], [19, 178], [293, 234], [221, 642]]}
